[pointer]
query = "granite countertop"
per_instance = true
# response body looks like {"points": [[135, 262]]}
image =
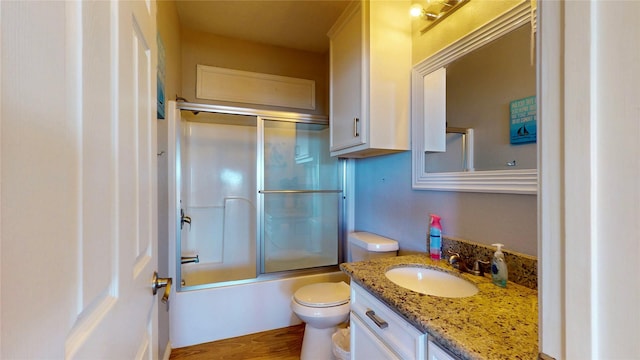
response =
{"points": [[496, 323]]}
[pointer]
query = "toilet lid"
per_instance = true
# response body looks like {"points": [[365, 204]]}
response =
{"points": [[372, 242], [323, 294]]}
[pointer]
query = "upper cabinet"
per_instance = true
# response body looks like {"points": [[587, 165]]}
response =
{"points": [[370, 60]]}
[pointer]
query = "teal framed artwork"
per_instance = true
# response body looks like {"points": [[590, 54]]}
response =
{"points": [[522, 119], [160, 79]]}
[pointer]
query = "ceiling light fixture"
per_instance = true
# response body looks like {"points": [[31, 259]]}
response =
{"points": [[434, 11], [416, 10]]}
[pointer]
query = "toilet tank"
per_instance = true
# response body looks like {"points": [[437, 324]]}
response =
{"points": [[367, 246]]}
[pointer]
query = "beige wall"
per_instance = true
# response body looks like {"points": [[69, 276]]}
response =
{"points": [[169, 31], [213, 50], [387, 205]]}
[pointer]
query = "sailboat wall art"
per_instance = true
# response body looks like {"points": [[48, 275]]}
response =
{"points": [[522, 119]]}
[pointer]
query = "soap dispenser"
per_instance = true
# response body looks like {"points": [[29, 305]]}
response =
{"points": [[499, 272]]}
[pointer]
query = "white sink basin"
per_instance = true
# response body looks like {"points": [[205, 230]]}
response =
{"points": [[431, 282]]}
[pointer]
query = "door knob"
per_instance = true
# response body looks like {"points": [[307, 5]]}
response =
{"points": [[158, 283]]}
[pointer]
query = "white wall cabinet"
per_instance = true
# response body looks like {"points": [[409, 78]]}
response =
{"points": [[370, 61]]}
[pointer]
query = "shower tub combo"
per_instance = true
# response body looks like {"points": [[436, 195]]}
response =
{"points": [[256, 203]]}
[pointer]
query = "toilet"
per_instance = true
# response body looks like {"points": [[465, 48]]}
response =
{"points": [[323, 307]]}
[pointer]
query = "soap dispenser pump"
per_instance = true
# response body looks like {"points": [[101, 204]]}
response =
{"points": [[499, 272]]}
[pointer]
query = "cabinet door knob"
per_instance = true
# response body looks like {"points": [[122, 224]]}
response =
{"points": [[376, 319]]}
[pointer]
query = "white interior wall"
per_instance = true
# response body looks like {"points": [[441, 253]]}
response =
{"points": [[618, 191], [590, 208]]}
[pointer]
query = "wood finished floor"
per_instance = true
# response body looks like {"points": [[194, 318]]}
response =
{"points": [[282, 344]]}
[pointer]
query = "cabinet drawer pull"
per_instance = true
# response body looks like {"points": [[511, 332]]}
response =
{"points": [[356, 122], [376, 319]]}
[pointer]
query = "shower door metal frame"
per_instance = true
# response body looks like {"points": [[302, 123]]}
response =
{"points": [[261, 116]]}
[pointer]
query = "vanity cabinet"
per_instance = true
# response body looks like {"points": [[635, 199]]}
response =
{"points": [[370, 71], [438, 353], [378, 332], [376, 329], [368, 344]]}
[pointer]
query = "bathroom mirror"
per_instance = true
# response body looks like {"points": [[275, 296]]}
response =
{"points": [[501, 168]]}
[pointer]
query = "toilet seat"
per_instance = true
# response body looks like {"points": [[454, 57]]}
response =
{"points": [[323, 295]]}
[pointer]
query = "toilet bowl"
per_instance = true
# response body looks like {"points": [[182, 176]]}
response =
{"points": [[322, 307]]}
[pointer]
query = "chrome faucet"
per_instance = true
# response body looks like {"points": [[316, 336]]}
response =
{"points": [[459, 263], [189, 259]]}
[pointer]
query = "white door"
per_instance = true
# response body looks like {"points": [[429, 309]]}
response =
{"points": [[78, 180], [589, 199]]}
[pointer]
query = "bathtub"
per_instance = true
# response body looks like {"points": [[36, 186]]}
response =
{"points": [[211, 308], [200, 316]]}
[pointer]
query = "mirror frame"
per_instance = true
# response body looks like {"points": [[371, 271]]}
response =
{"points": [[523, 181]]}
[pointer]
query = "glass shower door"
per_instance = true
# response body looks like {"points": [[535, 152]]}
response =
{"points": [[300, 196], [218, 193]]}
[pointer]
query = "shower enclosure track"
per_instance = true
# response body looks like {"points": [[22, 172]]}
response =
{"points": [[299, 191], [277, 115]]}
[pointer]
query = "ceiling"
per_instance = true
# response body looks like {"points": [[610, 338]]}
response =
{"points": [[296, 24]]}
